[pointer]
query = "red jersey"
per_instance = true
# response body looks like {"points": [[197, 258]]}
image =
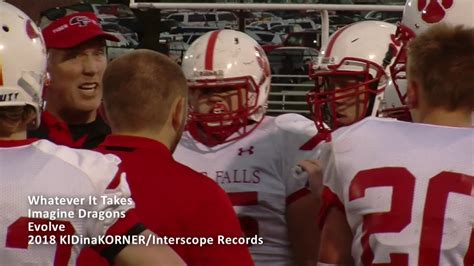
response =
{"points": [[84, 136], [172, 200]]}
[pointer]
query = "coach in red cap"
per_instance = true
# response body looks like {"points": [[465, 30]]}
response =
{"points": [[76, 63]]}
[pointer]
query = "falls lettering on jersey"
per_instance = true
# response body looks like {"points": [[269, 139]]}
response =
{"points": [[243, 176]]}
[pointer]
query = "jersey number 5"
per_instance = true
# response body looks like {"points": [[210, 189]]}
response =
{"points": [[403, 185]]}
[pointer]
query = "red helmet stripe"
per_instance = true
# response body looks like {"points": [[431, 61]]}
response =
{"points": [[209, 58]]}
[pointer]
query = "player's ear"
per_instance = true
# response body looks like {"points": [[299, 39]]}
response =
{"points": [[413, 94], [178, 113]]}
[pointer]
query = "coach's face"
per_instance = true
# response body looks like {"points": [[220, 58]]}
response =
{"points": [[76, 77]]}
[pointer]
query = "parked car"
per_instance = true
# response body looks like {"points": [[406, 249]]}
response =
{"points": [[309, 38], [266, 16], [167, 24], [384, 15], [305, 23], [266, 37], [254, 28], [192, 29], [190, 37], [113, 27], [116, 49], [266, 25], [284, 30], [287, 14], [222, 19], [189, 18]]}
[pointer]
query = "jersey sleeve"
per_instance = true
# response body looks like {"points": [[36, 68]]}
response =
{"points": [[333, 186], [88, 176], [295, 130], [113, 212]]}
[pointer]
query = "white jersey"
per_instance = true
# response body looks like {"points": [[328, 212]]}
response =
{"points": [[407, 190], [40, 178], [255, 171]]}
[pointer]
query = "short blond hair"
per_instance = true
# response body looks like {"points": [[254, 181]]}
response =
{"points": [[139, 89], [441, 60], [15, 118]]}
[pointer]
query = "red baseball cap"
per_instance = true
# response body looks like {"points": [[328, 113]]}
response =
{"points": [[74, 29]]}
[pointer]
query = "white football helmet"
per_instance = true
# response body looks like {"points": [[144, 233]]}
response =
{"points": [[224, 59], [392, 104], [22, 60], [351, 69], [418, 15]]}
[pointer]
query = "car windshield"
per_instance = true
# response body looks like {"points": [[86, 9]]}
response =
{"points": [[119, 11], [196, 18], [210, 17]]}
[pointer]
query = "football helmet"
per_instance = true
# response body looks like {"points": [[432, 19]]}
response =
{"points": [[232, 63], [22, 60], [392, 104], [418, 15], [350, 75]]}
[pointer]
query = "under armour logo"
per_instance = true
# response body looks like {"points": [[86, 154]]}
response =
{"points": [[249, 150], [80, 21], [434, 12]]}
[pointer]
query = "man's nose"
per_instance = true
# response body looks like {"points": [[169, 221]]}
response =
{"points": [[89, 65]]}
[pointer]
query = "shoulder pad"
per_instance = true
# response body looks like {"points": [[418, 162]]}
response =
{"points": [[295, 123], [98, 167]]}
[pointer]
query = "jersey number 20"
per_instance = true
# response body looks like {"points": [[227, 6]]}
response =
{"points": [[403, 185]]}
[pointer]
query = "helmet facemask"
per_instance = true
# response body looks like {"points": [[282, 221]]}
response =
{"points": [[398, 75], [221, 108], [343, 97], [398, 67]]}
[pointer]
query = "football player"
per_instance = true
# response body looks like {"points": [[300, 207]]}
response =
{"points": [[350, 78], [395, 209], [412, 203], [248, 154], [351, 75]]}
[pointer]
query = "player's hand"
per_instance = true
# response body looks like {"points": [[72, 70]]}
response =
{"points": [[314, 170]]}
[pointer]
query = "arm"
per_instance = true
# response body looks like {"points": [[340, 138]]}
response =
{"points": [[314, 171], [303, 230], [138, 255], [337, 238], [301, 217]]}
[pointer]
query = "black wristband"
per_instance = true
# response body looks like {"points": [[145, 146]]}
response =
{"points": [[111, 251]]}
